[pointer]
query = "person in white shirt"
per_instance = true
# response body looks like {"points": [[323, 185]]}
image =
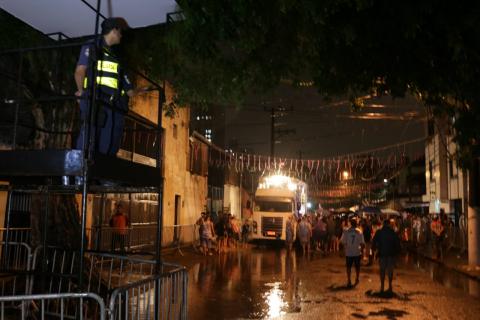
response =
{"points": [[353, 242]]}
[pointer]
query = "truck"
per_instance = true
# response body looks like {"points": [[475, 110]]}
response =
{"points": [[277, 198]]}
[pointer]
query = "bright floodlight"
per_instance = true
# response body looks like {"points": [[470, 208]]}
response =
{"points": [[292, 186], [277, 180]]}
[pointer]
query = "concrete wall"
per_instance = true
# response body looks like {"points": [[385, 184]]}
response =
{"points": [[191, 189]]}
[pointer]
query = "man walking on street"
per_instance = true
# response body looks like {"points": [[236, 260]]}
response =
{"points": [[353, 242], [387, 244]]}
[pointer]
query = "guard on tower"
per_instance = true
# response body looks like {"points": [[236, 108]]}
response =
{"points": [[98, 65]]}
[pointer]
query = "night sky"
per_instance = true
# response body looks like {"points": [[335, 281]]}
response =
{"points": [[324, 128]]}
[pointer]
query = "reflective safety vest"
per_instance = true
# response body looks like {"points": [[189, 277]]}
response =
{"points": [[107, 73]]}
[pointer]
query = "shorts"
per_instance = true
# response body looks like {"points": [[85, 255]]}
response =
{"points": [[353, 260], [206, 242], [387, 263]]}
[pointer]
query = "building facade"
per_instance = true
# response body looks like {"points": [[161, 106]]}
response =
{"points": [[446, 183], [184, 169]]}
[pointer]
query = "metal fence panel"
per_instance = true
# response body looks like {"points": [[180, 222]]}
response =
{"points": [[138, 237], [137, 300], [15, 235], [104, 271], [15, 267], [66, 306]]}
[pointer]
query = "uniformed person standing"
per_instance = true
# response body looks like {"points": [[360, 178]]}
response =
{"points": [[112, 91]]}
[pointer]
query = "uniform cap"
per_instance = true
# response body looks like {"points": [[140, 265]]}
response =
{"points": [[114, 23]]}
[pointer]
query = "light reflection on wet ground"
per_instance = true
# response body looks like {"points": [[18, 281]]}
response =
{"points": [[258, 283], [436, 272], [264, 283]]}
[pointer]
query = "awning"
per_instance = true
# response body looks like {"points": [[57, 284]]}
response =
{"points": [[74, 18]]}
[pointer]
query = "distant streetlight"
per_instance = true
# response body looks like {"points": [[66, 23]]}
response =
{"points": [[345, 175], [385, 180]]}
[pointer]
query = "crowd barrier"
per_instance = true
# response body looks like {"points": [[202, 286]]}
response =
{"points": [[39, 306], [137, 237], [42, 283], [137, 300], [15, 235], [15, 266]]}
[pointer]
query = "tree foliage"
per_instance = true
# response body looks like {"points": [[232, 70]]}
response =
{"points": [[222, 50]]}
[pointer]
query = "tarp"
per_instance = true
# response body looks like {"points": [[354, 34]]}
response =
{"points": [[74, 18]]}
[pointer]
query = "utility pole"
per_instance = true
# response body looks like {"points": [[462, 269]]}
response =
{"points": [[272, 132], [276, 112], [474, 213]]}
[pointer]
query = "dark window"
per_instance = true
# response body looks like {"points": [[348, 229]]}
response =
{"points": [[452, 169], [175, 131], [431, 127], [430, 170], [198, 158], [273, 206]]}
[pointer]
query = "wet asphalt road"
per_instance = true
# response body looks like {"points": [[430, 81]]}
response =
{"points": [[269, 283]]}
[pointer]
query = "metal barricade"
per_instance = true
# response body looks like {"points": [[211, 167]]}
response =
{"points": [[67, 306], [15, 267], [58, 272], [15, 256], [104, 271], [142, 237], [137, 300], [137, 237], [112, 271], [129, 283], [15, 235]]}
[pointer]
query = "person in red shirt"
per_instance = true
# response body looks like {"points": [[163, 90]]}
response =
{"points": [[120, 225], [438, 231]]}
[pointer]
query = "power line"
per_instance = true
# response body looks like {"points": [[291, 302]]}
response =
{"points": [[399, 144]]}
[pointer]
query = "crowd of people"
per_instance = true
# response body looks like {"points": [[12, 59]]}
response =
{"points": [[358, 238], [221, 232], [361, 239]]}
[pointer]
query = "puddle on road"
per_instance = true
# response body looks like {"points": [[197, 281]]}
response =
{"points": [[259, 284], [263, 284], [442, 275]]}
